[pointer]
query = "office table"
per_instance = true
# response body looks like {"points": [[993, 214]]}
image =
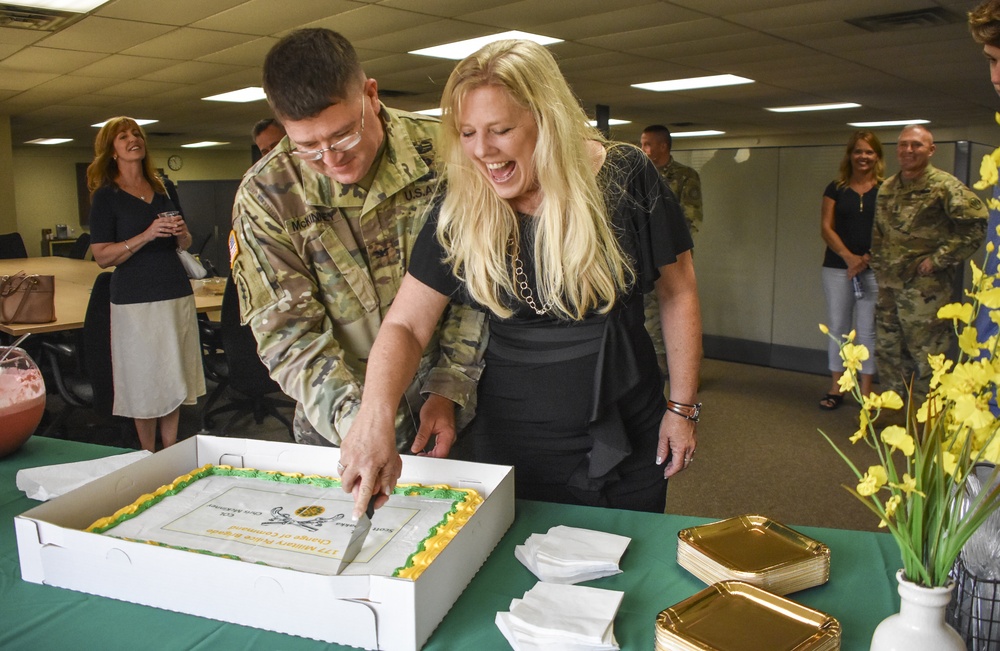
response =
{"points": [[74, 280], [861, 591]]}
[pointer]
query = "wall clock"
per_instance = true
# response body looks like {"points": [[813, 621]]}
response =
{"points": [[175, 162]]}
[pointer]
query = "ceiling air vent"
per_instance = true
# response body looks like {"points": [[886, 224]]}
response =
{"points": [[42, 20], [929, 17]]}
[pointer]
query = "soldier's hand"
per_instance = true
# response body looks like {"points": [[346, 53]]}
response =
{"points": [[437, 419], [926, 267]]}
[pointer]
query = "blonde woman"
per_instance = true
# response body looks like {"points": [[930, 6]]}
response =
{"points": [[556, 234], [155, 352], [846, 220]]}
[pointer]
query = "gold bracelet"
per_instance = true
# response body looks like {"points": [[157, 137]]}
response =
{"points": [[127, 246]]}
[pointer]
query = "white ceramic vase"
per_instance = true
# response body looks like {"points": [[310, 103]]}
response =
{"points": [[919, 625]]}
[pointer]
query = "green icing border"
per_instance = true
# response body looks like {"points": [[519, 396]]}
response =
{"points": [[456, 496]]}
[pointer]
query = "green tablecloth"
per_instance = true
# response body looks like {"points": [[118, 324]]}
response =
{"points": [[861, 591]]}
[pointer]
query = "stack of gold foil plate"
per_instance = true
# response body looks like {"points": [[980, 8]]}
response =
{"points": [[756, 550], [736, 616]]}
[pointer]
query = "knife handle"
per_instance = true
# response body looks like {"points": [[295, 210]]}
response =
{"points": [[370, 511]]}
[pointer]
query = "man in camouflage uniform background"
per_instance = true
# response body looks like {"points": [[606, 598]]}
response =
{"points": [[685, 183], [927, 223], [322, 232]]}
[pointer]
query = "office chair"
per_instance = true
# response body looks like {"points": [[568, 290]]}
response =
{"points": [[242, 372], [80, 247], [12, 246], [81, 370]]}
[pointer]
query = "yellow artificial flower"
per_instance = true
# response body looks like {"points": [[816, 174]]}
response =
{"points": [[853, 355], [956, 312], [987, 172], [939, 366], [885, 400], [873, 480], [891, 505], [824, 329], [989, 297], [970, 412], [949, 462], [896, 438], [968, 341], [908, 485], [846, 382]]}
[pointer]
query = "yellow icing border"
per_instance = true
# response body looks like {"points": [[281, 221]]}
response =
{"points": [[439, 535]]}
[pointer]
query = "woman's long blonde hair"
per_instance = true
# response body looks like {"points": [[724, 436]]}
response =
{"points": [[579, 265], [103, 170]]}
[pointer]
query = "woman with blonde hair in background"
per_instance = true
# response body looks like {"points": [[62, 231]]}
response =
{"points": [[556, 234], [847, 216], [134, 227]]}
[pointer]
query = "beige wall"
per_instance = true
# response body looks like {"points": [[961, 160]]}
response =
{"points": [[45, 178], [8, 216]]}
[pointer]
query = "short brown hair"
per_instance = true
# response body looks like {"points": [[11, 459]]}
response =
{"points": [[984, 23], [308, 71]]}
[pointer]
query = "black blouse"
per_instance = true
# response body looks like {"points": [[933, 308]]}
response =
{"points": [[154, 272]]}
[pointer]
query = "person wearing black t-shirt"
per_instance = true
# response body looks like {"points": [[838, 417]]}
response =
{"points": [[849, 284], [556, 234], [155, 351]]}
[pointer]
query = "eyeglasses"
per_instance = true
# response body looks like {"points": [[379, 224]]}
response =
{"points": [[342, 145]]}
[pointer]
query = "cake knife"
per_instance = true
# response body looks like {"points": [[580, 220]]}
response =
{"points": [[361, 530]]}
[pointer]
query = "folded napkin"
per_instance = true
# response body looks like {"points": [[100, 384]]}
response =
{"points": [[553, 617], [45, 482], [571, 555]]}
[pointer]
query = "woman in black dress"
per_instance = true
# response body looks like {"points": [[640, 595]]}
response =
{"points": [[155, 352], [556, 234]]}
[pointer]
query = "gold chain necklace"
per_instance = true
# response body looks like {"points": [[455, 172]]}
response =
{"points": [[521, 278]]}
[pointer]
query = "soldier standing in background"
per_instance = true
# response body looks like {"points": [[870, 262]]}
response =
{"points": [[685, 183], [322, 232], [927, 223], [267, 133]]}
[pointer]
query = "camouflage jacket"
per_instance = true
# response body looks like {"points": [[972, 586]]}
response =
{"points": [[934, 216], [685, 183], [315, 305]]}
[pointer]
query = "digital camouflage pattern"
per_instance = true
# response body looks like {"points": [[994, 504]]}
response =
{"points": [[315, 301], [685, 183], [933, 216]]}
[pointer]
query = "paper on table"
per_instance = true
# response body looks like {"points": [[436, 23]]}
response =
{"points": [[45, 482], [571, 555], [576, 613]]}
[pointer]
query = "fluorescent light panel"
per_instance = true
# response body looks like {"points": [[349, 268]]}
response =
{"points": [[140, 121], [48, 141], [204, 143], [711, 81], [430, 111], [612, 122], [461, 49], [887, 123], [75, 6], [695, 134], [243, 95], [813, 107]]}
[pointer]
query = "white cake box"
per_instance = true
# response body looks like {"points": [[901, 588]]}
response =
{"points": [[372, 612]]}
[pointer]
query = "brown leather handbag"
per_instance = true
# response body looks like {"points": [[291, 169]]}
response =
{"points": [[27, 298]]}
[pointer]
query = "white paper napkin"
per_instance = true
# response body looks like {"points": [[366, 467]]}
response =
{"points": [[45, 482], [571, 555], [553, 617]]}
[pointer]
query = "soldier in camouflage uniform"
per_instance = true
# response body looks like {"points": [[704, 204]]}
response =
{"points": [[926, 224], [685, 183], [322, 232]]}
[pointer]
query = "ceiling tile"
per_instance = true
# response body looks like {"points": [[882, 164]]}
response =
{"points": [[96, 34]]}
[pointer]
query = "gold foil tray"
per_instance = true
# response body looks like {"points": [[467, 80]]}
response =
{"points": [[752, 544], [737, 616]]}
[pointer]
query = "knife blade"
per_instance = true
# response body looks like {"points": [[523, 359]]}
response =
{"points": [[358, 536]]}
